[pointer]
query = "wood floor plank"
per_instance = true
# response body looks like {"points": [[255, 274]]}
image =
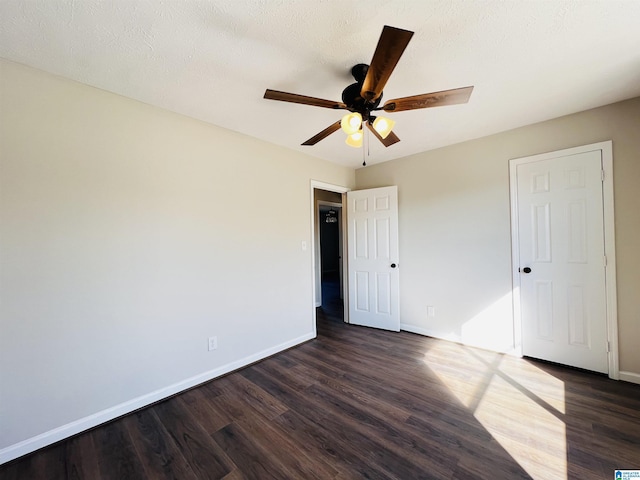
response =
{"points": [[117, 456], [296, 458], [410, 396], [81, 458], [158, 453], [51, 460], [360, 429], [204, 456], [408, 449], [235, 475], [263, 402], [329, 444], [204, 410], [348, 461], [298, 377], [255, 463], [344, 388]]}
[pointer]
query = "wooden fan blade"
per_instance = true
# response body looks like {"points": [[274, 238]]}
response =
{"points": [[391, 46], [387, 142], [303, 99], [435, 99], [334, 127]]}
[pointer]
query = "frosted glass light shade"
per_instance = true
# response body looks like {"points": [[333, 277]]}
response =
{"points": [[351, 123], [355, 139], [383, 126]]}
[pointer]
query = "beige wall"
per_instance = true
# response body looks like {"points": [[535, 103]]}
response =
{"points": [[455, 226], [129, 235]]}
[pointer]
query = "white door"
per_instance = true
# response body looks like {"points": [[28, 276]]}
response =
{"points": [[372, 247], [562, 260]]}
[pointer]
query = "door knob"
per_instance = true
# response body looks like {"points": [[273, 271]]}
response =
{"points": [[526, 270], [393, 265]]}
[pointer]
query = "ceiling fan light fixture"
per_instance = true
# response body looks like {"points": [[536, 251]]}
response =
{"points": [[351, 123], [383, 126], [363, 97], [355, 139]]}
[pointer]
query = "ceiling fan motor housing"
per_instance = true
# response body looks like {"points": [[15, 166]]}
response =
{"points": [[359, 72], [351, 96]]}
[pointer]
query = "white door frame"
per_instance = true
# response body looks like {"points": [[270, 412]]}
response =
{"points": [[609, 245], [345, 267]]}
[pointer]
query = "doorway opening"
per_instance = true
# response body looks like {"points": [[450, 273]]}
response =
{"points": [[329, 268], [329, 226]]}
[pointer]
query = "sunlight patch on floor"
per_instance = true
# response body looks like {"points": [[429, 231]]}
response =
{"points": [[528, 431], [545, 386], [519, 404], [462, 374]]}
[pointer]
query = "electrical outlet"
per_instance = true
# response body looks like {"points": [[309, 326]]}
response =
{"points": [[213, 343], [431, 312]]}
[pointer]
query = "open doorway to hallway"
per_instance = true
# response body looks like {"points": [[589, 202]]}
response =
{"points": [[329, 256]]}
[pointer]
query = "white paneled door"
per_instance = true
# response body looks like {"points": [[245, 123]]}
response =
{"points": [[373, 258], [562, 260]]}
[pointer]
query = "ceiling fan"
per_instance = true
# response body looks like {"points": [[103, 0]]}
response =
{"points": [[363, 97]]}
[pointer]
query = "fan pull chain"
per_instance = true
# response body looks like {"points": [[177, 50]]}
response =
{"points": [[365, 145], [364, 161], [368, 145]]}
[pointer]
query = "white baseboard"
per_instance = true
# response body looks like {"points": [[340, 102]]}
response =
{"points": [[60, 433], [625, 376], [511, 350], [630, 377], [418, 330]]}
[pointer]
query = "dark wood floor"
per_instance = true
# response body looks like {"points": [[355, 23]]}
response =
{"points": [[361, 403]]}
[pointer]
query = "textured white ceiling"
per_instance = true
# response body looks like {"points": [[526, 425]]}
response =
{"points": [[213, 59]]}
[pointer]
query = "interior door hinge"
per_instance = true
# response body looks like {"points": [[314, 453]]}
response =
{"points": [[608, 346], [604, 258], [602, 175]]}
